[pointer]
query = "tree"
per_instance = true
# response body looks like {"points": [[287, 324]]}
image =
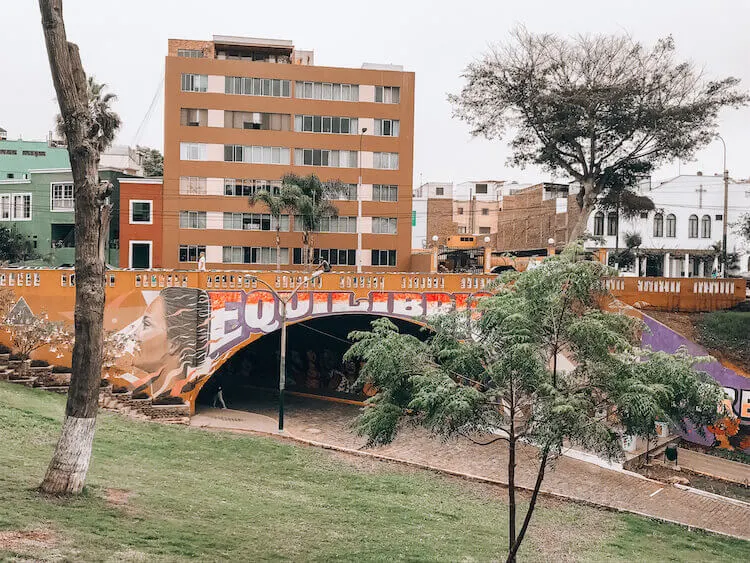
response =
{"points": [[743, 226], [602, 108], [495, 371], [285, 201], [153, 162], [313, 200], [14, 247], [89, 127], [105, 121], [34, 333]]}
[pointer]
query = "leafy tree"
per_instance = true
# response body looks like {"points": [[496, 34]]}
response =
{"points": [[743, 226], [89, 126], [313, 200], [153, 162], [278, 204], [14, 247], [496, 371], [602, 108], [104, 121]]}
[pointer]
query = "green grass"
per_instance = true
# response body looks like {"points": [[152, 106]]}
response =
{"points": [[728, 332], [217, 496]]}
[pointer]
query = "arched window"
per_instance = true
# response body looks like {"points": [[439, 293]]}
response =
{"points": [[599, 224], [658, 225], [611, 224], [706, 226], [693, 226], [671, 225]]}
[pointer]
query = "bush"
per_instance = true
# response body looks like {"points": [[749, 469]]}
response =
{"points": [[4, 349], [39, 364], [15, 357], [61, 369]]}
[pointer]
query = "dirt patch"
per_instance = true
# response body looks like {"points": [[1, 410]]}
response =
{"points": [[28, 542], [117, 497], [684, 323]]}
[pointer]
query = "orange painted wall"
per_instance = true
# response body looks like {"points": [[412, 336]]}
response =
{"points": [[149, 190]]}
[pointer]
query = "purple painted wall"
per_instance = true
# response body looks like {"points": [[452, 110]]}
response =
{"points": [[663, 338]]}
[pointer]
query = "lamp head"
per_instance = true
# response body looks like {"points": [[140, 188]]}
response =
{"points": [[435, 238], [487, 239], [364, 129], [550, 241]]}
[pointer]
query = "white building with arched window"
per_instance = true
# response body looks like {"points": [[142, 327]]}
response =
{"points": [[682, 236]]}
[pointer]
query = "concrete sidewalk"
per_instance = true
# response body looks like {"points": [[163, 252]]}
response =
{"points": [[328, 425]]}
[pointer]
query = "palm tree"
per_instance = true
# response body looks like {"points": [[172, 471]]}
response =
{"points": [[105, 121], [313, 200], [278, 204]]}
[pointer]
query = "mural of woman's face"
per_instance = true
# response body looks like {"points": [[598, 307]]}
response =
{"points": [[155, 349]]}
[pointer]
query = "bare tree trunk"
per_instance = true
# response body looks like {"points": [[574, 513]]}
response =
{"points": [[532, 504], [278, 243], [586, 204], [67, 470], [512, 477]]}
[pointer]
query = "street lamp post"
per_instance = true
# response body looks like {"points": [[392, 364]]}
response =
{"points": [[726, 211], [282, 356], [359, 204]]}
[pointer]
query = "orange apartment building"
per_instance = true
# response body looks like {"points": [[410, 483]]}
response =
{"points": [[141, 230], [240, 113]]}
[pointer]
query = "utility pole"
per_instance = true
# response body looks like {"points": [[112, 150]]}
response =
{"points": [[726, 211], [359, 204]]}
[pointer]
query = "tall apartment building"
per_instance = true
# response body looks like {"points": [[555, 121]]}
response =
{"points": [[240, 113]]}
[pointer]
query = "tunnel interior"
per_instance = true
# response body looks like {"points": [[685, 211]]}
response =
{"points": [[314, 360]]}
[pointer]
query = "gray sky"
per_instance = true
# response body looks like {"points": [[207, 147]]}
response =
{"points": [[123, 43]]}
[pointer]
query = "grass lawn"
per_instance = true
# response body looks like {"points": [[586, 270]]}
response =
{"points": [[161, 493]]}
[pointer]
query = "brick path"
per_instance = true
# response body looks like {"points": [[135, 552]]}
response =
{"points": [[329, 423]]}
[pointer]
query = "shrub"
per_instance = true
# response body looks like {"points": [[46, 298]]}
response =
{"points": [[4, 349], [61, 369], [39, 364], [15, 356]]}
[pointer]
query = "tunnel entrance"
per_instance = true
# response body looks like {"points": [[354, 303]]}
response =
{"points": [[314, 358]]}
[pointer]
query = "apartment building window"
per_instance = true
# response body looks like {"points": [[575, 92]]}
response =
{"points": [[256, 155], [462, 230], [140, 211], [325, 157], [194, 83], [384, 225], [485, 211], [381, 192], [193, 151], [611, 224], [62, 196], [706, 226], [329, 224], [193, 117], [5, 209], [693, 226], [387, 127], [383, 257], [484, 230], [190, 53], [480, 188], [34, 153], [8, 151], [326, 91], [440, 190], [192, 219], [247, 187], [257, 120], [599, 224], [257, 86], [15, 207], [460, 210], [253, 255], [387, 94], [325, 124], [254, 222], [334, 256], [385, 160], [191, 252], [192, 185], [671, 226], [347, 192], [658, 225]]}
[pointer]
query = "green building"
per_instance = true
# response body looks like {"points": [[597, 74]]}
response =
{"points": [[41, 207], [18, 157]]}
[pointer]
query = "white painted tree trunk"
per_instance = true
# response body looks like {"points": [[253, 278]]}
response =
{"points": [[66, 473]]}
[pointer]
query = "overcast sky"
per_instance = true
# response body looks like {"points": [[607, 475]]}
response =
{"points": [[123, 43]]}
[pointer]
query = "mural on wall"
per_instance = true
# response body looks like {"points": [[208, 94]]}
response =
{"points": [[732, 432], [185, 334]]}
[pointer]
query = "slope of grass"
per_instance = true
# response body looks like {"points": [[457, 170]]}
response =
{"points": [[727, 332], [162, 493]]}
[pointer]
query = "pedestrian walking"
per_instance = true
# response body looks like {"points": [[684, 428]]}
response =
{"points": [[219, 397]]}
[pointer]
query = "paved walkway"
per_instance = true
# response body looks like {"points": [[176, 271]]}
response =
{"points": [[329, 424], [714, 466]]}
